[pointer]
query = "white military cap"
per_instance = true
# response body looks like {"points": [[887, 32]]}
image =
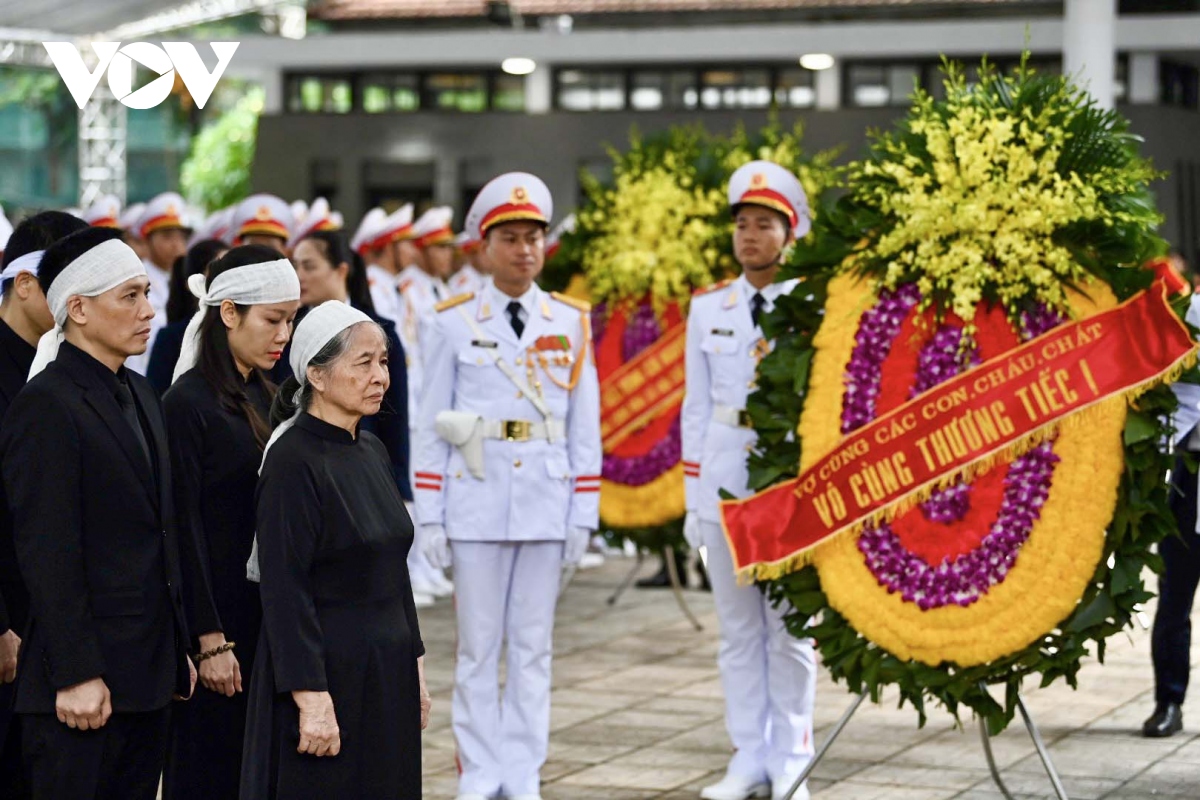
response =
{"points": [[433, 228], [262, 215], [766, 184], [215, 226], [318, 218], [378, 228], [510, 197], [466, 243], [299, 212], [128, 219], [104, 213], [6, 230], [554, 240], [163, 213]]}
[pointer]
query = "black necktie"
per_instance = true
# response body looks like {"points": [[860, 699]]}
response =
{"points": [[437, 292], [514, 317], [129, 411], [756, 307]]}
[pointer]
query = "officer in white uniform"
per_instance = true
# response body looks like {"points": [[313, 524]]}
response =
{"points": [[769, 676], [6, 230], [468, 278], [162, 229], [104, 213], [375, 240], [317, 217], [263, 219], [507, 483]]}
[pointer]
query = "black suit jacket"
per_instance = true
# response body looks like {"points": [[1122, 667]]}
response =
{"points": [[95, 539], [16, 355]]}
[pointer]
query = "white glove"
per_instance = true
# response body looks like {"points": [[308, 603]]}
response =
{"points": [[576, 544], [436, 545], [691, 530]]}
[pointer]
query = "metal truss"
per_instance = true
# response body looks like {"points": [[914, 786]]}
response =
{"points": [[102, 142]]}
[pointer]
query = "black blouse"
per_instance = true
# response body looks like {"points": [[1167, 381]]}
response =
{"points": [[332, 532], [215, 459]]}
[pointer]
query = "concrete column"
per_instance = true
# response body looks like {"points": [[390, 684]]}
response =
{"points": [[829, 88], [1089, 46], [446, 183], [272, 83], [539, 90], [1143, 79]]}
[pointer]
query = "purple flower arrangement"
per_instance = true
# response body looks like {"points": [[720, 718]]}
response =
{"points": [[876, 331], [962, 580], [642, 331]]}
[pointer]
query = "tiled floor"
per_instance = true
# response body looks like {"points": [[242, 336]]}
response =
{"points": [[637, 714]]}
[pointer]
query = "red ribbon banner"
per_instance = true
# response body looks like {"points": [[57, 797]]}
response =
{"points": [[941, 432]]}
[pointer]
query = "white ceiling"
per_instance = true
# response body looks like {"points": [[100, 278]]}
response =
{"points": [[77, 17]]}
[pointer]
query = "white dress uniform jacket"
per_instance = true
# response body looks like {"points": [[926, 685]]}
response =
{"points": [[723, 351], [419, 292], [532, 489]]}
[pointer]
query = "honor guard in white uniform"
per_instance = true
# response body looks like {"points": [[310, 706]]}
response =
{"points": [[263, 219], [104, 213], [554, 240], [769, 676], [375, 240], [420, 291], [507, 483], [467, 278], [164, 232], [317, 217]]}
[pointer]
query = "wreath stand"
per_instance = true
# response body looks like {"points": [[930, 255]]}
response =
{"points": [[1034, 734], [668, 554]]}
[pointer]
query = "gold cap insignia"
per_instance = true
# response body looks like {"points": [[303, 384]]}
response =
{"points": [[519, 195], [758, 181], [263, 213], [172, 211]]}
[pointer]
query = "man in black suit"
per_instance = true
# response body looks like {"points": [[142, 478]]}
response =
{"points": [[87, 472], [24, 318]]}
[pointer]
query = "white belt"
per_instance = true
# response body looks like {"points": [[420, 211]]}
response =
{"points": [[733, 417], [519, 430]]}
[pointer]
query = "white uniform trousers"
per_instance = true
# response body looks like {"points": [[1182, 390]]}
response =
{"points": [[503, 591], [768, 675]]}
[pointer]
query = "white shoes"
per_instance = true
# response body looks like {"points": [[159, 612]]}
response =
{"points": [[737, 787], [442, 585], [783, 784], [591, 560], [471, 797], [423, 600], [527, 797]]}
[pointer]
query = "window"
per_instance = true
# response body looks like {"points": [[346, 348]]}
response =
{"points": [[652, 90], [454, 91], [314, 94], [508, 92], [735, 88], [1180, 84], [585, 90], [385, 92], [876, 85], [795, 87]]}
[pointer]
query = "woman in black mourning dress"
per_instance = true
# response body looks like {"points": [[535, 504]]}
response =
{"points": [[218, 422], [338, 700]]}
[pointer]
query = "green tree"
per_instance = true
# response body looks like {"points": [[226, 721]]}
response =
{"points": [[217, 173], [43, 90]]}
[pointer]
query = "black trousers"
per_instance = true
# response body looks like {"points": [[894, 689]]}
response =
{"points": [[121, 761], [1171, 642], [12, 774]]}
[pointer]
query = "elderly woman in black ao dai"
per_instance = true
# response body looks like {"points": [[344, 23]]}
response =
{"points": [[338, 699]]}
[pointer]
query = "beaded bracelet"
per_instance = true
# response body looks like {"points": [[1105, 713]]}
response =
{"points": [[216, 651]]}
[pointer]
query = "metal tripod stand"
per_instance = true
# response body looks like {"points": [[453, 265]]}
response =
{"points": [[1034, 734]]}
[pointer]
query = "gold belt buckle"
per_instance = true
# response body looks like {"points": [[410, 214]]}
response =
{"points": [[517, 430], [744, 420]]}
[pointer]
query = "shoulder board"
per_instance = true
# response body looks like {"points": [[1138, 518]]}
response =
{"points": [[457, 300], [713, 287], [575, 303]]}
